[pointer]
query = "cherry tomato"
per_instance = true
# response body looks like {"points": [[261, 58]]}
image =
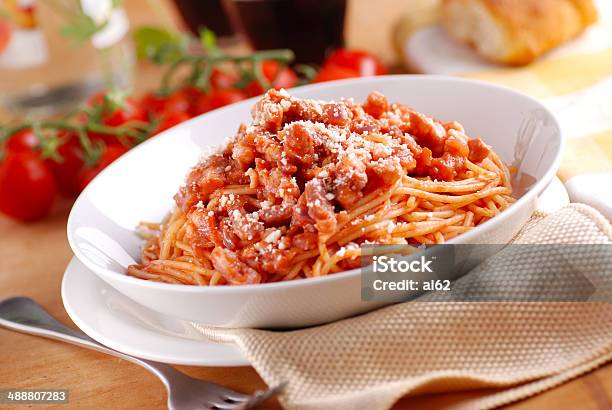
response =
{"points": [[222, 78], [180, 100], [66, 171], [366, 64], [130, 111], [27, 187], [5, 34], [153, 103], [331, 73], [24, 140], [183, 100], [283, 76], [111, 153], [278, 75], [217, 98], [170, 119]]}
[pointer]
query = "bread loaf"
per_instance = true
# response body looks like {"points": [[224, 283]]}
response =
{"points": [[516, 31]]}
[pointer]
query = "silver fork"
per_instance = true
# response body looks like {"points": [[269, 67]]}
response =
{"points": [[184, 392]]}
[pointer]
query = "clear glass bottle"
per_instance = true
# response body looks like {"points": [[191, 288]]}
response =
{"points": [[55, 53]]}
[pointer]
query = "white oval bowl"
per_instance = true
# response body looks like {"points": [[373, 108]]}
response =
{"points": [[141, 184]]}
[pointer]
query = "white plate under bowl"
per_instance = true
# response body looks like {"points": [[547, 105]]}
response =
{"points": [[122, 324], [140, 186]]}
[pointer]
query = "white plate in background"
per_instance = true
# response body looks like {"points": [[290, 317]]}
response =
{"points": [[431, 50]]}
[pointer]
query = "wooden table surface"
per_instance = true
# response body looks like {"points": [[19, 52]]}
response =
{"points": [[32, 261]]}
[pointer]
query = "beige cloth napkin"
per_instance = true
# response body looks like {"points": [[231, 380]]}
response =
{"points": [[371, 361]]}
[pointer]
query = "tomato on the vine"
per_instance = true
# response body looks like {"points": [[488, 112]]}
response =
{"points": [[171, 118], [222, 78], [131, 111], [128, 111], [27, 186], [278, 75], [153, 103], [217, 98], [364, 63], [110, 154], [332, 73], [181, 100], [24, 140], [67, 168]]}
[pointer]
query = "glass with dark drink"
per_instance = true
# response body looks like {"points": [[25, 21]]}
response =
{"points": [[205, 13], [308, 27]]}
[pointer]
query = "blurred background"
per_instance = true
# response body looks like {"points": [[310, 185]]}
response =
{"points": [[52, 51]]}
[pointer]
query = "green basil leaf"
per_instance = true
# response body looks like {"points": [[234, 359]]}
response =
{"points": [[208, 39], [159, 45]]}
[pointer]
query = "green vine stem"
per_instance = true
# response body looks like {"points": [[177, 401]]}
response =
{"points": [[209, 61], [90, 150], [63, 125]]}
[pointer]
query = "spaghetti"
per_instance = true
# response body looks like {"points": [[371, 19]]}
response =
{"points": [[297, 192]]}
